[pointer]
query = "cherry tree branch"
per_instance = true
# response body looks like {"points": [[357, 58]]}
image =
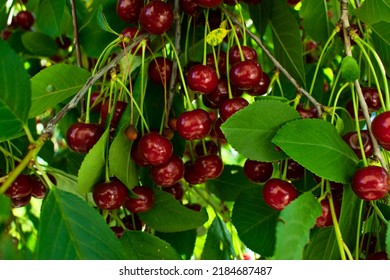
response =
{"points": [[76, 33]]}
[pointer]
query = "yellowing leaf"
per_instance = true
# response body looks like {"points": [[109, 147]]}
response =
{"points": [[216, 36]]}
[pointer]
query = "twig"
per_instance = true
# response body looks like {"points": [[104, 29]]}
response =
{"points": [[76, 33], [275, 62]]}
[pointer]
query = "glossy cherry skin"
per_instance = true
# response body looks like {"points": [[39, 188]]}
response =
{"points": [[24, 19], [278, 193], [352, 139], [258, 171], [217, 129], [132, 222], [262, 87], [325, 220], [195, 124], [246, 74], [381, 129], [191, 176], [160, 70], [129, 10], [371, 183], [295, 171], [209, 166], [143, 202], [21, 201], [38, 189], [231, 106], [63, 42], [155, 148], [293, 2], [307, 112], [350, 109], [202, 79], [21, 187], [220, 94], [189, 7], [168, 173], [118, 231], [176, 190], [156, 17], [249, 53], [372, 99], [120, 107], [110, 195], [81, 137], [208, 3], [211, 148], [94, 102]]}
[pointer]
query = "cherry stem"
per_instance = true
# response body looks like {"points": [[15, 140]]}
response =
{"points": [[28, 133], [207, 28], [359, 229], [335, 82], [336, 100], [379, 213]]}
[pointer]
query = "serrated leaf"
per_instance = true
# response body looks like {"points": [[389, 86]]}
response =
{"points": [[49, 16], [255, 221], [288, 46], [266, 117], [293, 228], [230, 184], [373, 11], [70, 229], [315, 19], [316, 145], [54, 85], [102, 21], [183, 241], [381, 41], [92, 168], [216, 36], [350, 69], [15, 93], [218, 245], [168, 215], [140, 245], [39, 44]]}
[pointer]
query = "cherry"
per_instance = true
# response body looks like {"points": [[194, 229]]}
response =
{"points": [[20, 201], [217, 129], [231, 106], [352, 139], [155, 148], [143, 202], [118, 231], [136, 155], [220, 94], [194, 206], [293, 2], [195, 124], [190, 7], [24, 19], [210, 146], [258, 171], [249, 53], [372, 99], [168, 173], [156, 17], [38, 189], [307, 112], [262, 87], [176, 190], [63, 42], [246, 74], [120, 107], [95, 102], [295, 171], [202, 79], [160, 70], [278, 193], [325, 219], [109, 195], [191, 176], [382, 255], [132, 222], [81, 137], [129, 10], [371, 182], [131, 33], [21, 187], [208, 3], [209, 166], [221, 62], [368, 243], [381, 129]]}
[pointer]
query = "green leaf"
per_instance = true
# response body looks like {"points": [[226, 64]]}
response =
{"points": [[5, 209], [39, 44], [287, 40], [230, 184], [266, 118], [255, 221], [49, 16], [102, 21], [70, 229], [381, 40], [350, 69], [15, 93], [168, 215], [373, 11], [388, 241], [218, 245], [183, 241], [54, 85], [143, 246], [316, 145], [315, 19], [93, 166], [260, 14], [293, 228]]}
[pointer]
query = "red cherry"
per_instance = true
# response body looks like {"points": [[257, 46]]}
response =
{"points": [[21, 187], [132, 222], [160, 70], [350, 110], [218, 131], [278, 193], [208, 3], [262, 87], [169, 173], [110, 195], [195, 124], [221, 62], [156, 17], [95, 101], [129, 10], [372, 99], [191, 176], [220, 94], [20, 202], [371, 183], [325, 219], [307, 112], [231, 106], [293, 2], [155, 148], [381, 129], [194, 206], [143, 202], [131, 33], [24, 19], [210, 146], [190, 7], [118, 231], [249, 53], [295, 171], [352, 139], [202, 79], [209, 166], [257, 171], [382, 255], [81, 137], [136, 155], [63, 42], [38, 189], [176, 190], [120, 107], [246, 74]]}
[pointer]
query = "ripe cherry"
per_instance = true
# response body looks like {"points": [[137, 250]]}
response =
{"points": [[63, 42], [132, 222], [191, 176], [209, 148], [325, 219], [371, 183], [169, 173], [20, 202], [249, 53], [350, 109], [129, 10], [109, 195], [220, 94], [95, 101], [307, 112], [136, 155], [209, 166], [21, 187], [372, 99], [246, 74], [382, 255], [258, 171], [120, 107], [176, 190], [202, 79], [160, 70], [208, 3], [217, 129], [155, 148], [221, 62], [278, 193], [262, 87], [25, 19], [118, 231], [38, 189], [190, 7], [295, 171], [231, 106], [195, 124], [81, 137], [352, 139], [381, 129], [143, 202], [156, 17]]}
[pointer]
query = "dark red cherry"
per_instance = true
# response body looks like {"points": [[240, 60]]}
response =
{"points": [[129, 10], [262, 87], [195, 124], [231, 106], [295, 171], [217, 129], [21, 187], [120, 107], [208, 3], [249, 53], [194, 206], [278, 193], [118, 231], [246, 74], [160, 70], [208, 148], [131, 33], [352, 139], [368, 243], [109, 195], [81, 137], [258, 171], [63, 42], [176, 190], [143, 201], [38, 189], [202, 79], [372, 99], [132, 222], [307, 112], [381, 129], [293, 2], [156, 17], [220, 94], [371, 183], [21, 201], [169, 173], [382, 255], [25, 19], [209, 166], [136, 155], [155, 148], [190, 7], [325, 220], [221, 62], [95, 101], [191, 176]]}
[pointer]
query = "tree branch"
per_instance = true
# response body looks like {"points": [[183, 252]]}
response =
{"points": [[76, 33]]}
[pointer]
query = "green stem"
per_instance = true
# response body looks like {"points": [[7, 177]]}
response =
{"points": [[204, 36], [357, 251], [379, 213], [336, 100], [28, 133], [356, 112], [335, 83]]}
